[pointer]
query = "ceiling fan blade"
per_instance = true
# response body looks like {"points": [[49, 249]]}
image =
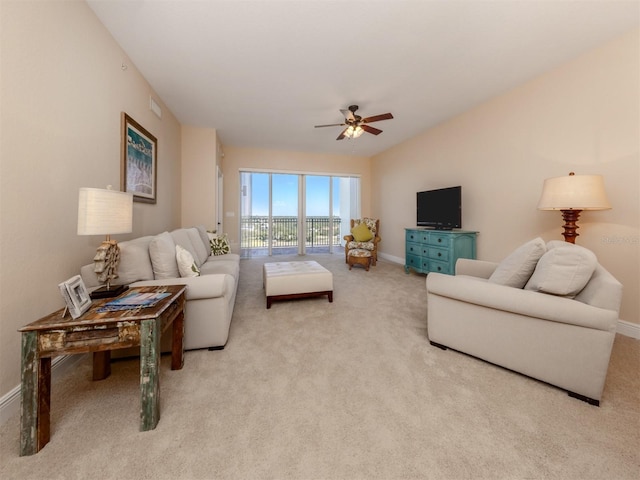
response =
{"points": [[348, 115], [330, 125], [377, 118], [369, 129], [342, 134]]}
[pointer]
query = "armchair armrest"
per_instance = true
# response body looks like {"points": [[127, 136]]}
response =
{"points": [[522, 302], [348, 238], [475, 268]]}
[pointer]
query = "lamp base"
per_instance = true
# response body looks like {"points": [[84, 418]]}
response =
{"points": [[570, 218], [104, 292]]}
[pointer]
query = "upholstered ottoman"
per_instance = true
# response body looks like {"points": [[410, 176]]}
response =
{"points": [[288, 280], [359, 256]]}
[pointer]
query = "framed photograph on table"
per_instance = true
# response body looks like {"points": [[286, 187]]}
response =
{"points": [[75, 295], [139, 161]]}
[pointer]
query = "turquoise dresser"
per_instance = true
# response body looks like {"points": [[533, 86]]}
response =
{"points": [[437, 250]]}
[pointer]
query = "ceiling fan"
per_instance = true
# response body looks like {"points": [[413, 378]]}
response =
{"points": [[356, 125]]}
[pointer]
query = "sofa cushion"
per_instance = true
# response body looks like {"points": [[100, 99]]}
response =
{"points": [[186, 263], [517, 268], [181, 237], [202, 251], [135, 263], [228, 267], [204, 236], [563, 270], [162, 251], [220, 245], [361, 233]]}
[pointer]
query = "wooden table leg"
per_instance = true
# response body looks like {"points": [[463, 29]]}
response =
{"points": [[101, 365], [150, 331], [35, 414], [177, 343]]}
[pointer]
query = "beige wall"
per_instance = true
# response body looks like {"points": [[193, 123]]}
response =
{"points": [[236, 159], [581, 117], [62, 94], [199, 176]]}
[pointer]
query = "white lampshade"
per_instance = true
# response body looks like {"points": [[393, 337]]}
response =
{"points": [[104, 212], [574, 192]]}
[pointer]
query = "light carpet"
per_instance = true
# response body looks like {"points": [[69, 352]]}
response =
{"points": [[344, 390]]}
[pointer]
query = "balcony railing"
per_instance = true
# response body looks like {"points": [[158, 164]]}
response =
{"points": [[254, 232]]}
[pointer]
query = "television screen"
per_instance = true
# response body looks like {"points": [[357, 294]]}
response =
{"points": [[441, 208]]}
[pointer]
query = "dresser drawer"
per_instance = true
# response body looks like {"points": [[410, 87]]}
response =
{"points": [[438, 254], [412, 236], [440, 267], [413, 261], [414, 249], [440, 239]]}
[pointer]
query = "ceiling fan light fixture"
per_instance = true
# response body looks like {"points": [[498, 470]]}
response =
{"points": [[353, 131]]}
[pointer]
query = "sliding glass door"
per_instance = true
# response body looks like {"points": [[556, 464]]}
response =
{"points": [[289, 213]]}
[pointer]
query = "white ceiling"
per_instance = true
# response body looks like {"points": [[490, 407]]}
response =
{"points": [[263, 73]]}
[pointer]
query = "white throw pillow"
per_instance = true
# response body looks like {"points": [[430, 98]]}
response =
{"points": [[563, 270], [186, 264], [516, 269], [162, 251]]}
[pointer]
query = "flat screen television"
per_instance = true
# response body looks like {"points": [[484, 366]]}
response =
{"points": [[440, 209]]}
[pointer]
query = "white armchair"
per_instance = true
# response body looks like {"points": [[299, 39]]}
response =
{"points": [[562, 340]]}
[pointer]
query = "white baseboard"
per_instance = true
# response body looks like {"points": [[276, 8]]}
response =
{"points": [[10, 403], [628, 329], [391, 258], [625, 328]]}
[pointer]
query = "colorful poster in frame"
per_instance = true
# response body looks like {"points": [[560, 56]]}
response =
{"points": [[139, 161]]}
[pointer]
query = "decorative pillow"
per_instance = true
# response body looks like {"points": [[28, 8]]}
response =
{"points": [[220, 245], [162, 251], [516, 269], [186, 264], [361, 233], [563, 271]]}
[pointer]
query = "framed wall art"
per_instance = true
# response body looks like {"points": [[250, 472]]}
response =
{"points": [[139, 161], [75, 295]]}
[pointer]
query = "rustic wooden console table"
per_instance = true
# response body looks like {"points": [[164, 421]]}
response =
{"points": [[98, 332]]}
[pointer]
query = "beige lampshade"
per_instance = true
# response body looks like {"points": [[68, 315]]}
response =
{"points": [[574, 192], [104, 212]]}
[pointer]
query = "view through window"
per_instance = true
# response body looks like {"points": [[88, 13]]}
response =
{"points": [[289, 213]]}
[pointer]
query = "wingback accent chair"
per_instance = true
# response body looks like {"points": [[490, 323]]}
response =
{"points": [[373, 224]]}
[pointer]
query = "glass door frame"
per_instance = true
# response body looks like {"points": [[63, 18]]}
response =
{"points": [[353, 202]]}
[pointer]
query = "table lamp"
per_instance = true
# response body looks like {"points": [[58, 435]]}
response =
{"points": [[571, 195], [105, 212]]}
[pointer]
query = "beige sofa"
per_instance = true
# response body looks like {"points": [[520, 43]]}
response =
{"points": [[151, 260], [564, 340]]}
